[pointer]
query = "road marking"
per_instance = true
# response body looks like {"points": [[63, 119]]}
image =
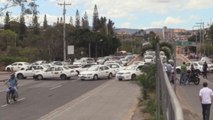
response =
{"points": [[4, 105], [21, 99], [2, 91], [55, 87], [58, 111]]}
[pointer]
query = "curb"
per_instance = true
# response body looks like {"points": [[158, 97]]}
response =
{"points": [[132, 110]]}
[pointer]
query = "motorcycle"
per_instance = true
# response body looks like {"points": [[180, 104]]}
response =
{"points": [[11, 95], [193, 77]]}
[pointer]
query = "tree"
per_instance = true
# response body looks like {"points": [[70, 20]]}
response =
{"points": [[45, 24], [77, 20], [7, 39], [102, 25], [35, 25], [85, 23], [95, 19], [71, 21], [6, 21], [110, 28], [210, 33], [11, 3], [22, 28], [153, 39]]}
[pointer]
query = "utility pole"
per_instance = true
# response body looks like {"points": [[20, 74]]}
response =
{"points": [[202, 36], [196, 37], [64, 34]]}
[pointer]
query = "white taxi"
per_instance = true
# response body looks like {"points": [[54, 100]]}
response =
{"points": [[96, 72], [17, 66], [130, 72], [55, 73], [23, 74]]}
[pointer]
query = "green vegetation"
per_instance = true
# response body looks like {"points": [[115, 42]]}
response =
{"points": [[147, 82], [46, 42]]}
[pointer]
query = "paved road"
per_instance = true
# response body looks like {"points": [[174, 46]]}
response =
{"points": [[188, 96], [66, 99]]}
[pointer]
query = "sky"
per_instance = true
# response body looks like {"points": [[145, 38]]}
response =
{"points": [[137, 14]]}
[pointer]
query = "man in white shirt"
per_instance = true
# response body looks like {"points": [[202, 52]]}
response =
{"points": [[206, 98]]}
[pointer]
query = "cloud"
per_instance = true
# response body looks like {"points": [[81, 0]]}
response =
{"points": [[125, 25], [167, 22]]}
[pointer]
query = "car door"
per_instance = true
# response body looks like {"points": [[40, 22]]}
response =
{"points": [[19, 66], [58, 71], [14, 66], [29, 72], [101, 72], [106, 71], [49, 73], [139, 70]]}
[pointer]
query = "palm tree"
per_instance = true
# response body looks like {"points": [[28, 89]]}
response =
{"points": [[153, 39]]}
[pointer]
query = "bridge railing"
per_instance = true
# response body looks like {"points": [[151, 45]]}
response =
{"points": [[166, 97]]}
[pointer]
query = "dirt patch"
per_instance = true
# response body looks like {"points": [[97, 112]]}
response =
{"points": [[139, 114]]}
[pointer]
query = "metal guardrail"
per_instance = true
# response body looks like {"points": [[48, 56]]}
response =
{"points": [[167, 99]]}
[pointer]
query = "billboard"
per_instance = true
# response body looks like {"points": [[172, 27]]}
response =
{"points": [[70, 49]]}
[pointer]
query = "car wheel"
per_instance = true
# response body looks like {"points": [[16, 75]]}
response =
{"points": [[20, 76], [77, 72], [95, 77], [133, 77], [8, 69], [63, 77], [39, 77], [110, 76]]}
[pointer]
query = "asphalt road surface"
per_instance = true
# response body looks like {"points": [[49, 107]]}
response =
{"points": [[189, 99], [37, 98]]}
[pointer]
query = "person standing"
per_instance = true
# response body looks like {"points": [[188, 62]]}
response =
{"points": [[169, 70], [205, 67], [206, 98], [183, 73]]}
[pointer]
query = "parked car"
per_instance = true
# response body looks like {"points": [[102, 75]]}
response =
{"points": [[130, 72], [17, 66], [29, 72], [96, 72], [197, 65], [148, 59], [83, 67], [55, 73], [83, 61], [116, 67]]}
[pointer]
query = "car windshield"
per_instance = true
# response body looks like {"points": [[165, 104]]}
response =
{"points": [[93, 68]]}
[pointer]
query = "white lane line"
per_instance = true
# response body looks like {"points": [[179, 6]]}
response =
{"points": [[2, 91], [4, 105], [55, 87], [20, 99], [17, 100], [58, 111]]}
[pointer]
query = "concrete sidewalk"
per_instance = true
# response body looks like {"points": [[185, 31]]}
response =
{"points": [[114, 100]]}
